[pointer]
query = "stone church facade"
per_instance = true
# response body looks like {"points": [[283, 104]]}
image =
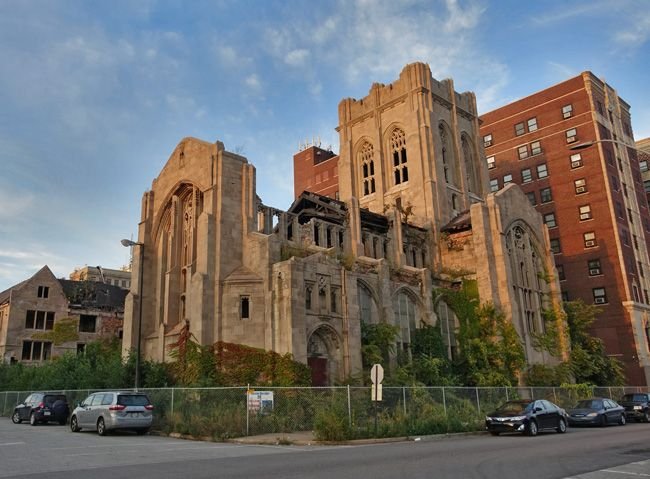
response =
{"points": [[413, 210]]}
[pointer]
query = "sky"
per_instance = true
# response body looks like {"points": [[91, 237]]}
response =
{"points": [[96, 95]]}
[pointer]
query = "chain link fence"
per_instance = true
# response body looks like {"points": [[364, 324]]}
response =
{"points": [[343, 412]]}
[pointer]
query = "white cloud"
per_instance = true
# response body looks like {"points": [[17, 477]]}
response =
{"points": [[297, 57], [253, 82], [636, 34]]}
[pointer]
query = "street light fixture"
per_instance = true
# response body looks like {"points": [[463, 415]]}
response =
{"points": [[128, 243], [587, 144]]}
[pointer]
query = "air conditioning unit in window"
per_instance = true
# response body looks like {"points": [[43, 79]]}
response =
{"points": [[599, 300], [580, 189], [590, 243], [594, 271]]}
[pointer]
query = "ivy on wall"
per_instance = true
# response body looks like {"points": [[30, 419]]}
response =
{"points": [[65, 330]]}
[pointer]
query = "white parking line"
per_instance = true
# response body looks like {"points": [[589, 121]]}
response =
{"points": [[640, 474], [11, 443]]}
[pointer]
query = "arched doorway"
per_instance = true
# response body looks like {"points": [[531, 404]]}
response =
{"points": [[324, 356]]}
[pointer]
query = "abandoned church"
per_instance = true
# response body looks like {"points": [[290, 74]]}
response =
{"points": [[407, 211]]}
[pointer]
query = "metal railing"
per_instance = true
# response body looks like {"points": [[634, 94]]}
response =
{"points": [[226, 412]]}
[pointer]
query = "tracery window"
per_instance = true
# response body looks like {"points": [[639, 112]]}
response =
{"points": [[405, 310], [367, 163], [398, 147]]}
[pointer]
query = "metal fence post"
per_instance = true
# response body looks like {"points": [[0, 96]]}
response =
{"points": [[507, 395], [246, 405], [4, 408], [478, 401], [404, 399], [349, 408], [444, 402], [610, 392], [172, 404], [554, 396]]}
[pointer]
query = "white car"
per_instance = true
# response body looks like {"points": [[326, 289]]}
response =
{"points": [[105, 411]]}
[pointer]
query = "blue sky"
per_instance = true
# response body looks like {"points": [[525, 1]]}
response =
{"points": [[95, 95]]}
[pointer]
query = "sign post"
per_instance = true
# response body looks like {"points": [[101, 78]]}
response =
{"points": [[376, 376]]}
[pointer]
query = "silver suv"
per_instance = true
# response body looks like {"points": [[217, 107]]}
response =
{"points": [[105, 411]]}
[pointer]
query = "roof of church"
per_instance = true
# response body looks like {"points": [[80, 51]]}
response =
{"points": [[462, 222]]}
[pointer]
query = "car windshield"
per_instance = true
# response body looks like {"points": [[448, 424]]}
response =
{"points": [[514, 407], [634, 397], [590, 404], [132, 400]]}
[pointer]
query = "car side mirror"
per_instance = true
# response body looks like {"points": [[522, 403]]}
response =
{"points": [[79, 404], [537, 409]]}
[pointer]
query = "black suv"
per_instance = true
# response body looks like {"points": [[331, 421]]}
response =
{"points": [[637, 406], [42, 407]]}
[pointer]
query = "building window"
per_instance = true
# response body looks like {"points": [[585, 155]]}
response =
{"points": [[532, 198], [535, 148], [494, 185], [567, 111], [615, 185], [594, 267], [542, 171], [619, 209], [624, 188], [555, 246], [81, 348], [600, 296], [560, 272], [490, 162], [526, 175], [640, 266], [589, 239], [580, 186], [549, 220], [308, 297], [571, 135], [599, 107], [576, 160], [635, 241], [366, 159], [398, 145], [520, 129], [334, 300], [585, 212], [244, 307], [507, 179], [532, 124], [643, 165], [630, 216], [625, 237], [523, 152], [545, 195], [36, 350], [43, 291], [87, 323], [39, 320], [487, 140]]}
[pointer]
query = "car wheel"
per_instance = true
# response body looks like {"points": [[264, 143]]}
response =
{"points": [[646, 416], [74, 425], [531, 429], [622, 421], [32, 419], [561, 426], [101, 427], [142, 432], [603, 421], [15, 417]]}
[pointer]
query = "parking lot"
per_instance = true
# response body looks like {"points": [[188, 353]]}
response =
{"points": [[26, 449]]}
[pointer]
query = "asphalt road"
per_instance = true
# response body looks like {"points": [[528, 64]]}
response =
{"points": [[616, 452]]}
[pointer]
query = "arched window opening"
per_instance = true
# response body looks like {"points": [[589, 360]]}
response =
{"points": [[367, 307], [471, 172], [405, 310], [398, 147], [367, 163]]}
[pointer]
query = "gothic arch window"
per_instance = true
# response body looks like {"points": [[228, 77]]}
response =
{"points": [[471, 173], [367, 306], [526, 269], [405, 309], [447, 154], [448, 324], [367, 163], [398, 150]]}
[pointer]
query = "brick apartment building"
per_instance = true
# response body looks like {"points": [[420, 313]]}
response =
{"points": [[592, 199], [316, 170], [643, 147]]}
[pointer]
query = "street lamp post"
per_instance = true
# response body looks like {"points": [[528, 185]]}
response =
{"points": [[587, 144], [128, 243]]}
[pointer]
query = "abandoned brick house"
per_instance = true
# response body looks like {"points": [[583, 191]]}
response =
{"points": [[412, 206], [43, 317]]}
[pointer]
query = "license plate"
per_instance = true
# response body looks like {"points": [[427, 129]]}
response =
{"points": [[135, 414], [46, 413]]}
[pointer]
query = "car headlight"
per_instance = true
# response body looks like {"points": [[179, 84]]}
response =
{"points": [[517, 418], [488, 419], [592, 414]]}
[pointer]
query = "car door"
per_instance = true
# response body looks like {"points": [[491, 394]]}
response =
{"points": [[540, 415], [24, 409], [610, 411], [551, 414], [95, 408], [83, 411]]}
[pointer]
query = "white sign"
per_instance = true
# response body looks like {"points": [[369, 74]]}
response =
{"points": [[377, 374], [260, 401], [376, 392]]}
